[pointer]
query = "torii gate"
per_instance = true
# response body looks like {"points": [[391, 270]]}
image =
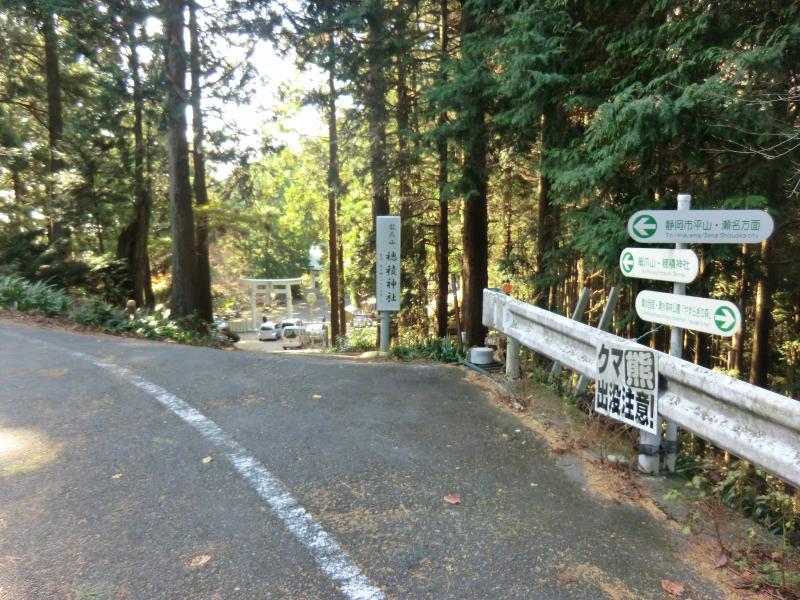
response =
{"points": [[267, 287]]}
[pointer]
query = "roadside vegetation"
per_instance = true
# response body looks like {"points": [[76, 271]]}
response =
{"points": [[709, 485], [41, 298], [437, 349]]}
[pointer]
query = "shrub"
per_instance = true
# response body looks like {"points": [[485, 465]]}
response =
{"points": [[96, 312], [357, 339], [12, 291], [18, 293], [438, 349]]}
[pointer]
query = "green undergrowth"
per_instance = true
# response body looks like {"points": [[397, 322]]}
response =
{"points": [[713, 480], [19, 294], [357, 339], [438, 349]]}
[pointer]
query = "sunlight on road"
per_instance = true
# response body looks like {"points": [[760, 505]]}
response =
{"points": [[23, 451]]}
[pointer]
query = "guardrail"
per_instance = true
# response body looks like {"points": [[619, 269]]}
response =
{"points": [[753, 423]]}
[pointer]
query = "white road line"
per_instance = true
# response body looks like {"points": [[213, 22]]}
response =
{"points": [[336, 564]]}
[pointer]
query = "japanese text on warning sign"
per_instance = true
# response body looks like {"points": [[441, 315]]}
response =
{"points": [[387, 275], [627, 385]]}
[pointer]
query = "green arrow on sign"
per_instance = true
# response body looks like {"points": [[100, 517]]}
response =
{"points": [[627, 262], [724, 319], [645, 226]]}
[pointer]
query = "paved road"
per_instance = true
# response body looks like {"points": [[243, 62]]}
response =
{"points": [[326, 481]]}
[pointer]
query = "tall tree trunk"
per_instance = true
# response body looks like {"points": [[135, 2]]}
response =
{"points": [[58, 229], [138, 258], [342, 296], [408, 238], [333, 192], [763, 320], [702, 341], [736, 361], [203, 277], [476, 179], [442, 246], [376, 109], [184, 260], [545, 220]]}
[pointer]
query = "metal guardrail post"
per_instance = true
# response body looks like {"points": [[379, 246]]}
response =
{"points": [[603, 325], [512, 358], [580, 307]]}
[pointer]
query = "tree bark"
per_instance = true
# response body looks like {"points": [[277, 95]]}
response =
{"points": [[476, 179], [408, 240], [333, 191], [203, 277], [763, 319], [138, 256], [443, 246], [58, 229], [376, 110], [545, 234], [342, 296], [184, 262]]}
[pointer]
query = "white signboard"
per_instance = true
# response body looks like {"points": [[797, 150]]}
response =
{"points": [[627, 384], [700, 226], [662, 264], [387, 273], [718, 317]]}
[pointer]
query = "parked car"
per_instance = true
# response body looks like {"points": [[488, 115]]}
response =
{"points": [[316, 332], [361, 320], [294, 337], [269, 331], [292, 323]]}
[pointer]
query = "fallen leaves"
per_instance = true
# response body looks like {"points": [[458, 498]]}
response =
{"points": [[672, 587], [199, 560], [452, 499]]}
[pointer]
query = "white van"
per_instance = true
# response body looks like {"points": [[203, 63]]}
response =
{"points": [[294, 337]]}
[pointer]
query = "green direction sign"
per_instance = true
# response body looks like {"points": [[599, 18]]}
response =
{"points": [[700, 226], [643, 226], [718, 317], [724, 319], [626, 262], [662, 264]]}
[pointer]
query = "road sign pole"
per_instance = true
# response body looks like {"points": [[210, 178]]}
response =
{"points": [[650, 444], [676, 350], [385, 315]]}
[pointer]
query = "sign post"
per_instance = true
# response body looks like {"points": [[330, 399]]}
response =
{"points": [[387, 272], [719, 317], [676, 346]]}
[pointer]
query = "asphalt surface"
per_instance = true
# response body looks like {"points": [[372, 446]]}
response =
{"points": [[105, 493]]}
